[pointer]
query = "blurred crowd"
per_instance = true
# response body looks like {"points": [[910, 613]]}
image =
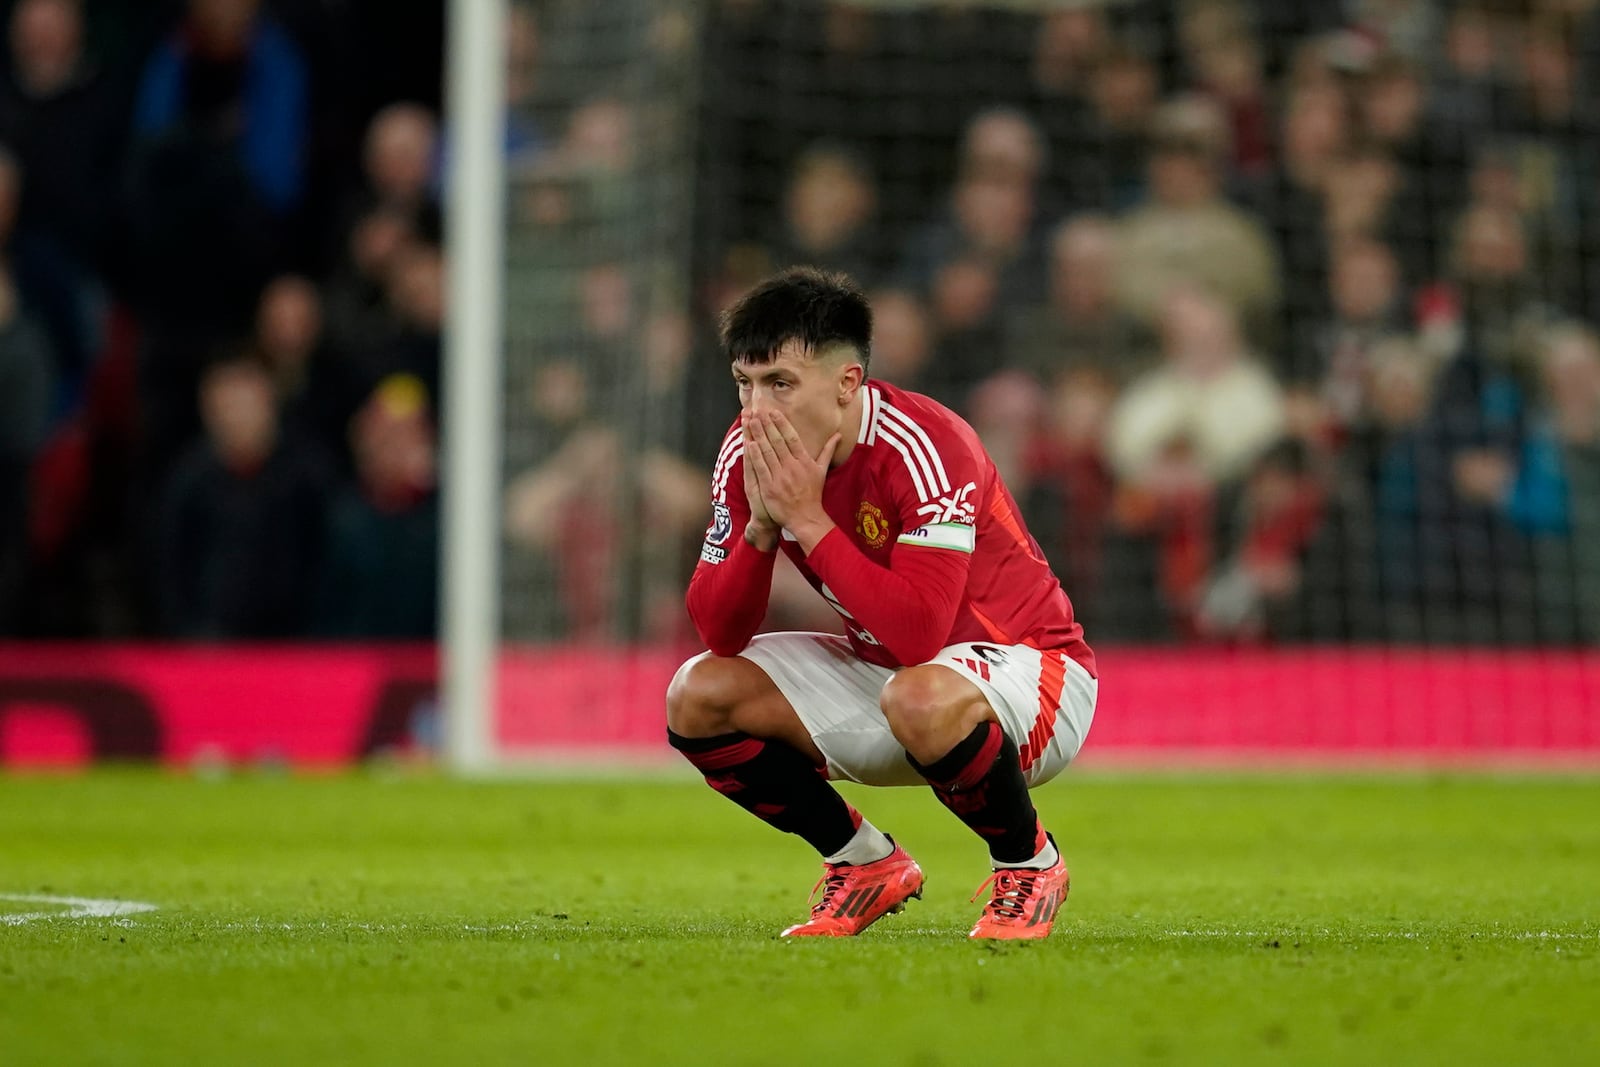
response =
{"points": [[220, 307], [1277, 315]]}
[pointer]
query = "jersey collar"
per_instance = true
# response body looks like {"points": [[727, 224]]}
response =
{"points": [[868, 434]]}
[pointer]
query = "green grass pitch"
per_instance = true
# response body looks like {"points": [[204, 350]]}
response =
{"points": [[377, 920]]}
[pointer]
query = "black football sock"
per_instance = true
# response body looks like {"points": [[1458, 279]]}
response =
{"points": [[981, 781], [776, 783]]}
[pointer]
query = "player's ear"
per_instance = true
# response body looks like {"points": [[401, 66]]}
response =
{"points": [[850, 379]]}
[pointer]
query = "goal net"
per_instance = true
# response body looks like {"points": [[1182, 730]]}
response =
{"points": [[1275, 318]]}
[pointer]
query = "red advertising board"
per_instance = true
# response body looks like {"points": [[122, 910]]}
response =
{"points": [[328, 705]]}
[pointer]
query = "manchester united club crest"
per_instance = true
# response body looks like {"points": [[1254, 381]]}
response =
{"points": [[871, 525]]}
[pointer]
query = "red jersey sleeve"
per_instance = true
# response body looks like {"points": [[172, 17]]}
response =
{"points": [[910, 607], [728, 593]]}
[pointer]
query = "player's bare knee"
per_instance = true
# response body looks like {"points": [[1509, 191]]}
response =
{"points": [[926, 711], [704, 695], [701, 697]]}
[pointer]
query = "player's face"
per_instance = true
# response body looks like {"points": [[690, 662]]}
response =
{"points": [[812, 393]]}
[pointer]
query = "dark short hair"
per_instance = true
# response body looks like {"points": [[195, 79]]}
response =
{"points": [[817, 308]]}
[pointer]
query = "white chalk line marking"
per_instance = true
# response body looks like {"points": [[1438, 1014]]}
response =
{"points": [[76, 908]]}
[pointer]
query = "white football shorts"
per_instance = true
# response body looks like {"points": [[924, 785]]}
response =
{"points": [[1044, 700]]}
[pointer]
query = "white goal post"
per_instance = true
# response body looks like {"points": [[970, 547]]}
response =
{"points": [[474, 356]]}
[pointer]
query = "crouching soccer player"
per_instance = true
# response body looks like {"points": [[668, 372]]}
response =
{"points": [[963, 668]]}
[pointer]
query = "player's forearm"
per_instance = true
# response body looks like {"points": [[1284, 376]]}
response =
{"points": [[908, 607], [809, 530], [728, 600]]}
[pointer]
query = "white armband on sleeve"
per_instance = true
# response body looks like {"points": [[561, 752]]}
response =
{"points": [[958, 536]]}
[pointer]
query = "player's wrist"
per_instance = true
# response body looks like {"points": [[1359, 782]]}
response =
{"points": [[810, 531], [761, 536]]}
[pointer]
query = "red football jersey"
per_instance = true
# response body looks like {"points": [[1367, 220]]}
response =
{"points": [[917, 477]]}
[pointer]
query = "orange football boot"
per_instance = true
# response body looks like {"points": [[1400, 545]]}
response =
{"points": [[1023, 904], [854, 896]]}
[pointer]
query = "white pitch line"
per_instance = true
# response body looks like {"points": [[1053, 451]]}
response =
{"points": [[77, 908]]}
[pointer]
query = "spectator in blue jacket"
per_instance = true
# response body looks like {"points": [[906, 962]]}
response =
{"points": [[232, 74], [1548, 490], [220, 132]]}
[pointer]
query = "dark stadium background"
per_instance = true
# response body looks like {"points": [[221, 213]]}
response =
{"points": [[1278, 316]]}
